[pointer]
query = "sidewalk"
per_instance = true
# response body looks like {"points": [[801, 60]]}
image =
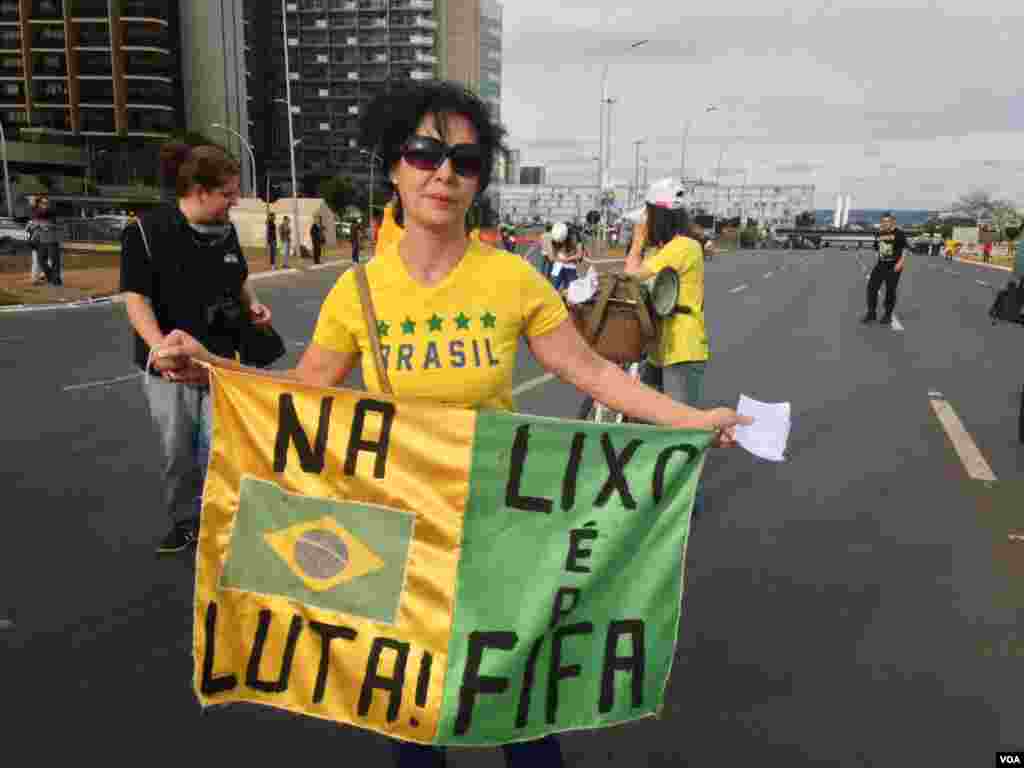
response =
{"points": [[94, 271]]}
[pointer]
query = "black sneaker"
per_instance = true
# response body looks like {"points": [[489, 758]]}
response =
{"points": [[886, 319], [869, 317], [182, 535]]}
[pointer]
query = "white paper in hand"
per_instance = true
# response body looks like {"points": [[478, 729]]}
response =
{"points": [[766, 438], [583, 289]]}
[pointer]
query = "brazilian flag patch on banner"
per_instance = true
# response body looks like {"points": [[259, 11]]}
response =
{"points": [[340, 556]]}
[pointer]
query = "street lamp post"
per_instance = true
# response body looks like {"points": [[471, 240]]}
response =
{"points": [[374, 158], [7, 176], [252, 156], [297, 240], [686, 138], [604, 159], [718, 180], [636, 170]]}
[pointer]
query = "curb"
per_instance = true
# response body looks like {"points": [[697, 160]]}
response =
{"points": [[118, 298], [983, 264]]}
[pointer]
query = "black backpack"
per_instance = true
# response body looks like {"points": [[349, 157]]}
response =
{"points": [[1007, 304]]}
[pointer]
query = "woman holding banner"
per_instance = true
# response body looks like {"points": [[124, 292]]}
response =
{"points": [[438, 294]]}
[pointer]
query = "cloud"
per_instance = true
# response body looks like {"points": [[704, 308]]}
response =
{"points": [[798, 166], [811, 86], [554, 143]]}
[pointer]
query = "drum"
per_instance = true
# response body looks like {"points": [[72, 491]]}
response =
{"points": [[618, 322]]}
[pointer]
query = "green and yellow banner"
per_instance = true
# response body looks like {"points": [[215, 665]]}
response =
{"points": [[441, 576]]}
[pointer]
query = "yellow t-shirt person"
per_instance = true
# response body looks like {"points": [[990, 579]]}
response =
{"points": [[454, 342], [684, 338]]}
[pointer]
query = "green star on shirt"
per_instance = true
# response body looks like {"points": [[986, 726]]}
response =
{"points": [[408, 327], [488, 320], [462, 321], [383, 328], [435, 322]]}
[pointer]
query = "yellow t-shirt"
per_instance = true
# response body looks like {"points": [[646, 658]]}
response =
{"points": [[684, 338], [389, 232], [454, 342]]}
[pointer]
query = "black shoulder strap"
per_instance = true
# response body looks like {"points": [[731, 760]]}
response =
{"points": [[145, 241]]}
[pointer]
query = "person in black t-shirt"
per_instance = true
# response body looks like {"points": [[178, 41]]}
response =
{"points": [[891, 243], [182, 267]]}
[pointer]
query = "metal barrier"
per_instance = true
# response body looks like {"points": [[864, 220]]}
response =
{"points": [[96, 230]]}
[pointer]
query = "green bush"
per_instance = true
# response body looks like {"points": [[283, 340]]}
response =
{"points": [[749, 236]]}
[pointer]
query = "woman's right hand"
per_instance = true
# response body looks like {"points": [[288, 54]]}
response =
{"points": [[724, 422]]}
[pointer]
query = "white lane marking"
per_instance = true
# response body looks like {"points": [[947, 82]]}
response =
{"points": [[739, 288], [274, 273], [970, 456], [103, 383], [981, 282], [64, 305], [896, 324], [6, 625], [768, 274], [297, 343], [329, 264], [526, 386]]}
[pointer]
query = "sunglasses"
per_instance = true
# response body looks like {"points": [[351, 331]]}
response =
{"points": [[426, 154]]}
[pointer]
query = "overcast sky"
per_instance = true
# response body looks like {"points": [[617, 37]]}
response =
{"points": [[901, 103]]}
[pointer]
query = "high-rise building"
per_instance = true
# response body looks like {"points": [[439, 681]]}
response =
{"points": [[214, 76], [341, 54], [101, 68]]}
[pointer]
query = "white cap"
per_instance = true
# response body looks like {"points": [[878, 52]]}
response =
{"points": [[664, 193], [559, 231]]}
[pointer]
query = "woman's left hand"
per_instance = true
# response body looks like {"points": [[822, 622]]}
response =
{"points": [[260, 314]]}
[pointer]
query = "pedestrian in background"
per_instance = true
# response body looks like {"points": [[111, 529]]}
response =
{"points": [[354, 232], [38, 275], [677, 364], [44, 236], [182, 267], [891, 244], [546, 250], [316, 236], [272, 239], [566, 255], [285, 231]]}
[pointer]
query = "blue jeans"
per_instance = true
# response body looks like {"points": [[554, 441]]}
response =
{"points": [[542, 753], [683, 382], [183, 417], [565, 276]]}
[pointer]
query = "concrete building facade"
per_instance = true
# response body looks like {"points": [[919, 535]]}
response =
{"points": [[101, 68], [342, 54], [214, 74]]}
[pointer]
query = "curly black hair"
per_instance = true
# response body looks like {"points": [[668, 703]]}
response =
{"points": [[395, 114]]}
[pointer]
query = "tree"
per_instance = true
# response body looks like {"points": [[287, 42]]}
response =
{"points": [[805, 219], [339, 192], [979, 204]]}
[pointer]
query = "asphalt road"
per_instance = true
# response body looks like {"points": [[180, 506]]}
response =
{"points": [[855, 606]]}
